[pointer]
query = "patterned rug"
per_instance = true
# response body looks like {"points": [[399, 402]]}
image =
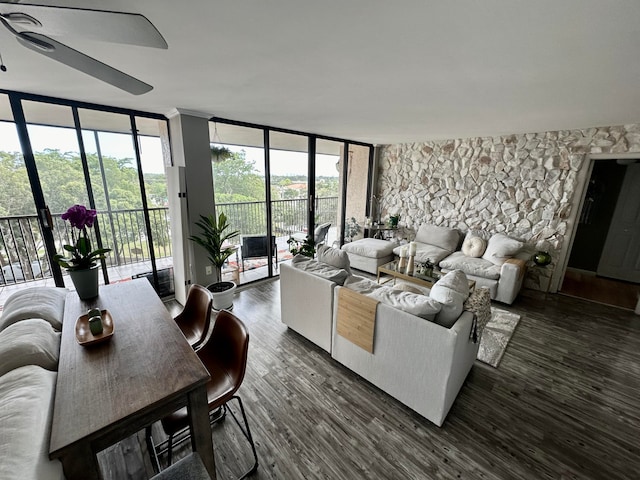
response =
{"points": [[496, 336]]}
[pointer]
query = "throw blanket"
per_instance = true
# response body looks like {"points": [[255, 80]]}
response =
{"points": [[356, 318]]}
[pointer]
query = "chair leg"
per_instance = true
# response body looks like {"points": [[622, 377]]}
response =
{"points": [[153, 454], [169, 449], [247, 435]]}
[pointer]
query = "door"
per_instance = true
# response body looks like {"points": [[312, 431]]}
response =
{"points": [[621, 255]]}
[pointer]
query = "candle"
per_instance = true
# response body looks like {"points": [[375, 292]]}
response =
{"points": [[403, 252], [412, 248]]}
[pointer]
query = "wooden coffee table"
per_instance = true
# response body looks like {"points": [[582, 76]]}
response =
{"points": [[392, 269], [108, 391]]}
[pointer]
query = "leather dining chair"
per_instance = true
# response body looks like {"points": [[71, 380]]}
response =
{"points": [[195, 318], [224, 355]]}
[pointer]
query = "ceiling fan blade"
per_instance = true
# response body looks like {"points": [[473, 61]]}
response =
{"points": [[102, 25], [82, 62]]}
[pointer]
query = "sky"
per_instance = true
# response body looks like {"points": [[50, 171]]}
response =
{"points": [[121, 146]]}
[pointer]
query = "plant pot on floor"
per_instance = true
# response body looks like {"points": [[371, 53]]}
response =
{"points": [[222, 294]]}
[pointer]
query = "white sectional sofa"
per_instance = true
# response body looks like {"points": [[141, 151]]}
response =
{"points": [[29, 348], [415, 359], [418, 362], [496, 261]]}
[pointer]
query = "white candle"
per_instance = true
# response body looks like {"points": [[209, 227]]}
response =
{"points": [[412, 248], [403, 252]]}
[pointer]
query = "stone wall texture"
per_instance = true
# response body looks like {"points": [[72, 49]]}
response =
{"points": [[523, 185]]}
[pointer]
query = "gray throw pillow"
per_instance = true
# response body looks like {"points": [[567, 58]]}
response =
{"points": [[443, 237], [451, 291], [334, 257], [501, 248]]}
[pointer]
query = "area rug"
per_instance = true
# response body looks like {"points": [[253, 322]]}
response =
{"points": [[496, 335]]}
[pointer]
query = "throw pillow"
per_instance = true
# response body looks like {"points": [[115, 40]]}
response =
{"points": [[501, 248], [451, 291], [334, 257], [419, 305], [443, 237], [29, 342], [473, 246]]}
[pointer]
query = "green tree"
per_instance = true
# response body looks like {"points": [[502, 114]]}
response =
{"points": [[235, 179]]}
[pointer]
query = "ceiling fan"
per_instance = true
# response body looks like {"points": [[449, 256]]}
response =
{"points": [[33, 26]]}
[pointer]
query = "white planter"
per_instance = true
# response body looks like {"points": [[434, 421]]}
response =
{"points": [[222, 293]]}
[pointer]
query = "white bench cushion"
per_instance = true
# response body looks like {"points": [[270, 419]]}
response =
{"points": [[26, 404], [36, 302], [29, 342]]}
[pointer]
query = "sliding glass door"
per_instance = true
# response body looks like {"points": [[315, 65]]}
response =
{"points": [[239, 186], [107, 160], [276, 184]]}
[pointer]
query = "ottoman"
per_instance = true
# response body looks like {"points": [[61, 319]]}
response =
{"points": [[369, 253]]}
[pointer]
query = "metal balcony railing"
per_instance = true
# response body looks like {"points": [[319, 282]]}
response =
{"points": [[22, 251]]}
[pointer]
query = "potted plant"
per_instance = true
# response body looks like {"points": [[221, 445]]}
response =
{"points": [[219, 154], [306, 248], [351, 229], [82, 264], [214, 235]]}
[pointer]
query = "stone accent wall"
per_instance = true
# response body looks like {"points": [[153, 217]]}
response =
{"points": [[523, 185]]}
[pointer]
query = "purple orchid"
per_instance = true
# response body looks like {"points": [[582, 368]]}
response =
{"points": [[81, 255], [79, 217]]}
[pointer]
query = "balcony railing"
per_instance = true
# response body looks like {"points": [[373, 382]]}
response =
{"points": [[288, 216], [22, 251]]}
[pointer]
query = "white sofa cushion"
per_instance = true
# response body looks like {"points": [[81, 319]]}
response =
{"points": [[370, 247], [478, 267], [29, 342], [323, 270], [451, 291], [473, 246], [501, 248], [334, 257], [26, 404], [443, 237], [36, 302], [415, 304], [425, 251], [361, 285]]}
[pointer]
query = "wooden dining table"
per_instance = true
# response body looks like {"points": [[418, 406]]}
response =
{"points": [[108, 391]]}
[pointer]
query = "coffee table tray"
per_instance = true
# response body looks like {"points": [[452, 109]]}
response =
{"points": [[83, 333]]}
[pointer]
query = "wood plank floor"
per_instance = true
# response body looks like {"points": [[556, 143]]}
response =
{"points": [[599, 289], [563, 404]]}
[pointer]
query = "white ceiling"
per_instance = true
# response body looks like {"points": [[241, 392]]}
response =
{"points": [[366, 70]]}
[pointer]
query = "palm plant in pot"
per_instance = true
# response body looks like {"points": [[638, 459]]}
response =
{"points": [[213, 237]]}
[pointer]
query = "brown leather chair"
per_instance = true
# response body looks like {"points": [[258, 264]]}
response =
{"points": [[195, 318], [225, 356]]}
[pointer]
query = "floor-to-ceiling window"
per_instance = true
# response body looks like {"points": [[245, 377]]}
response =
{"points": [[239, 186], [104, 158], [327, 187], [292, 179]]}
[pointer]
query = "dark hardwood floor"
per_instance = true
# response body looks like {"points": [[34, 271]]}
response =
{"points": [[563, 404]]}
